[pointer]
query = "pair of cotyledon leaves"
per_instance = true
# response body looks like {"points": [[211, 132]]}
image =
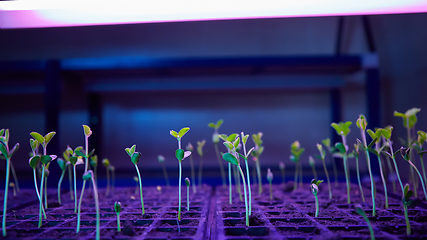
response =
{"points": [[409, 117], [134, 156], [315, 186], [4, 140], [296, 151]]}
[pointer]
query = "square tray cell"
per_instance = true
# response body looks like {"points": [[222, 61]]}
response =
{"points": [[173, 222], [68, 233], [250, 231], [290, 221], [174, 232], [299, 231], [15, 233], [125, 233]]}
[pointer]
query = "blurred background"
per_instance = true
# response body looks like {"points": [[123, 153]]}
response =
{"points": [[288, 78]]}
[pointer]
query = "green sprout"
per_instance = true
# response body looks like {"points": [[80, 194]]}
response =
{"points": [[343, 129], [420, 150], [356, 155], [233, 158], [113, 177], [312, 164], [362, 123], [89, 176], [315, 189], [106, 164], [215, 140], [245, 156], [12, 169], [63, 165], [74, 160], [79, 152], [135, 178], [230, 138], [200, 152], [327, 143], [296, 152], [386, 133], [190, 148], [118, 209], [361, 212], [94, 163], [282, 169], [34, 162], [134, 157], [181, 155], [376, 137], [407, 194], [161, 160], [187, 182], [44, 159], [406, 155], [322, 157], [256, 153], [409, 120], [4, 149], [270, 179]]}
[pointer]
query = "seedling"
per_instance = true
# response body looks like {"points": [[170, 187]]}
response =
{"points": [[118, 209], [89, 176], [312, 164], [74, 160], [386, 133], [233, 158], [12, 185], [327, 143], [181, 155], [407, 194], [256, 153], [187, 182], [63, 165], [296, 152], [106, 164], [215, 140], [34, 162], [322, 157], [406, 155], [409, 120], [315, 189], [94, 163], [361, 123], [343, 129], [376, 137], [193, 175], [361, 212], [270, 179], [135, 178], [44, 159], [200, 152], [282, 169], [113, 177], [356, 155], [230, 138], [245, 156], [79, 152], [420, 150], [161, 160], [134, 157], [46, 175]]}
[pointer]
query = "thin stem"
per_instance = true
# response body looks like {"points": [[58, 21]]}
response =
{"points": [[317, 205], [237, 180], [45, 193], [75, 189], [334, 167], [346, 178], [300, 174], [229, 182], [424, 171], [96, 176], [107, 192], [221, 167], [314, 172], [327, 178], [421, 178], [6, 189], [395, 166], [41, 198], [258, 170], [391, 173], [200, 170], [70, 182], [368, 160], [249, 187], [408, 131], [59, 186], [95, 193], [140, 189], [179, 192], [296, 177], [271, 191], [15, 178], [408, 225], [188, 198], [193, 175], [165, 174], [246, 201], [358, 178], [113, 180], [283, 175], [118, 222], [384, 182], [37, 190], [80, 204]]}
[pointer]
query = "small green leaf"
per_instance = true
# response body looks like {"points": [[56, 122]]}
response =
{"points": [[79, 153], [183, 131], [6, 136], [45, 159], [187, 181], [73, 160], [219, 123], [14, 149], [212, 125], [405, 153], [232, 137], [293, 158], [200, 146], [87, 175], [236, 142], [69, 150], [398, 114], [412, 111], [244, 138], [91, 153], [1, 131], [242, 156], [173, 133], [386, 132], [94, 161], [106, 162], [326, 142], [223, 137], [361, 122], [87, 130], [360, 210], [61, 163], [135, 157], [34, 144], [228, 145], [179, 153], [314, 188], [38, 137], [230, 158], [340, 147], [34, 161], [117, 207], [49, 137], [372, 143]]}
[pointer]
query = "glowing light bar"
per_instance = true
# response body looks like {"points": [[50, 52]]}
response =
{"points": [[59, 13]]}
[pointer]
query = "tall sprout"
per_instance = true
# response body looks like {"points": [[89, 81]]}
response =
{"points": [[356, 155], [406, 155], [215, 140], [322, 157], [418, 145], [296, 152], [63, 166], [230, 138], [256, 153], [34, 162], [245, 156], [134, 157], [190, 148]]}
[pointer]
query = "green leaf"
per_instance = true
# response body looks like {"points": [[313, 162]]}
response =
{"points": [[6, 135], [173, 133], [340, 147], [360, 210], [242, 156], [38, 137], [200, 146], [326, 142], [236, 142], [3, 149], [412, 111], [61, 163], [183, 131], [1, 131], [395, 153], [73, 160], [373, 151], [232, 137], [223, 137], [49, 137], [117, 207], [219, 123], [87, 175], [79, 153], [14, 149], [230, 158], [34, 144], [361, 122], [421, 137], [212, 125], [228, 145], [135, 157], [398, 114], [94, 161], [87, 130], [244, 138], [106, 162], [45, 159], [386, 132], [34, 161], [405, 153], [91, 153], [187, 181], [372, 143], [179, 154]]}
